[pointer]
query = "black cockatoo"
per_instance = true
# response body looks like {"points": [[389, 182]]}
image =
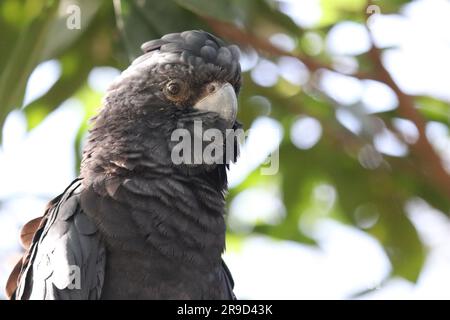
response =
{"points": [[136, 224]]}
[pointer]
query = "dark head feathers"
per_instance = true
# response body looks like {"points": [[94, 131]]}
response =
{"points": [[197, 43], [196, 47]]}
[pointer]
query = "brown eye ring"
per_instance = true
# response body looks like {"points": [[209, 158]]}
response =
{"points": [[175, 90]]}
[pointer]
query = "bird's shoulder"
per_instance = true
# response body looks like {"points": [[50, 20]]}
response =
{"points": [[64, 256]]}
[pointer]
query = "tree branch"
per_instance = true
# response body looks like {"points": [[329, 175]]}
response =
{"points": [[230, 31], [431, 162]]}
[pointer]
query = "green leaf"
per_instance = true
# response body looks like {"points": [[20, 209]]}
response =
{"points": [[218, 9], [86, 50], [43, 38], [401, 241], [263, 18], [91, 101], [74, 73], [59, 37], [155, 14], [26, 55], [133, 28], [358, 187], [434, 109], [338, 10], [297, 189], [390, 6]]}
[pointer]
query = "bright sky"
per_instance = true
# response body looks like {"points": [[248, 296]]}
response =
{"points": [[347, 260]]}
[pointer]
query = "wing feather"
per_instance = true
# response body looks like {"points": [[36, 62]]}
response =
{"points": [[65, 258], [229, 283]]}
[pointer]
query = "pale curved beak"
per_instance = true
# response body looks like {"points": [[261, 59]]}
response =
{"points": [[222, 101]]}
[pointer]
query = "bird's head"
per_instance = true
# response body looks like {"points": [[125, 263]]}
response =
{"points": [[181, 80], [192, 73]]}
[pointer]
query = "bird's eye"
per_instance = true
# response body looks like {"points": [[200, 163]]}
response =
{"points": [[175, 90], [211, 88]]}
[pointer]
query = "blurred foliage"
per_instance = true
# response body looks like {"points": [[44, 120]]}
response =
{"points": [[111, 34]]}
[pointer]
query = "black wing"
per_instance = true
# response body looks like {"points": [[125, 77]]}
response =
{"points": [[229, 283], [66, 258]]}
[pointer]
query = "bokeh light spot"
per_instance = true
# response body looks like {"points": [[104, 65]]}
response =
{"points": [[265, 73], [306, 132]]}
